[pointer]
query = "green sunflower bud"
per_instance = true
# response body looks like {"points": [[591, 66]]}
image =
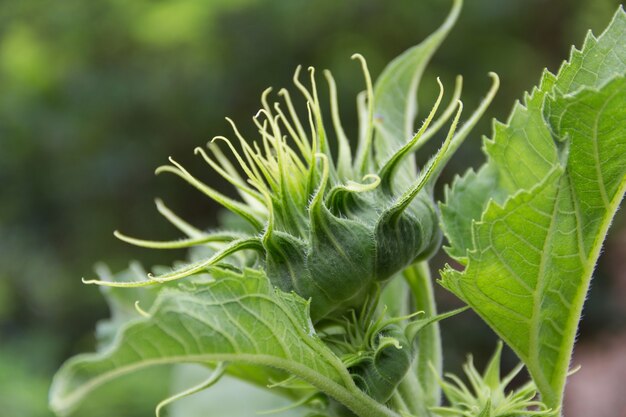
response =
{"points": [[328, 228], [380, 374], [379, 352]]}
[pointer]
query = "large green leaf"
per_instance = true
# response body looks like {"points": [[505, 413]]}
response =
{"points": [[530, 224], [238, 318]]}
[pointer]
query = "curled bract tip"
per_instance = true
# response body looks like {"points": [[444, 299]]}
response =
{"points": [[361, 187], [358, 56], [140, 310]]}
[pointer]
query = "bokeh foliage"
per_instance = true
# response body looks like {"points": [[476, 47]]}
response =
{"points": [[95, 94]]}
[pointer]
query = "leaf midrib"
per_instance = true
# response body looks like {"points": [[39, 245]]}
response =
{"points": [[538, 294], [289, 365]]}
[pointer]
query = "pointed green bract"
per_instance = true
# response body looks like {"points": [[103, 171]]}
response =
{"points": [[538, 211], [395, 91]]}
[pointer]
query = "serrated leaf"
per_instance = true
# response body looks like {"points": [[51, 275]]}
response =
{"points": [[238, 318], [523, 150], [560, 173], [594, 123], [465, 201]]}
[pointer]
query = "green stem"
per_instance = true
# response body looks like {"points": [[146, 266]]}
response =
{"points": [[413, 395], [398, 403], [429, 341]]}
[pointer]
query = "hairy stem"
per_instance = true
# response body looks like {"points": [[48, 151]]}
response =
{"points": [[398, 403], [413, 395], [429, 341]]}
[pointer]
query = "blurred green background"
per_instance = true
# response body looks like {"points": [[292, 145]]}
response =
{"points": [[94, 95]]}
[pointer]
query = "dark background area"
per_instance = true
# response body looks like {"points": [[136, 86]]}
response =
{"points": [[94, 95]]}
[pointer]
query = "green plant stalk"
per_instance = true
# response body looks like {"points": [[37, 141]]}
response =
{"points": [[413, 395], [399, 403], [429, 343]]}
